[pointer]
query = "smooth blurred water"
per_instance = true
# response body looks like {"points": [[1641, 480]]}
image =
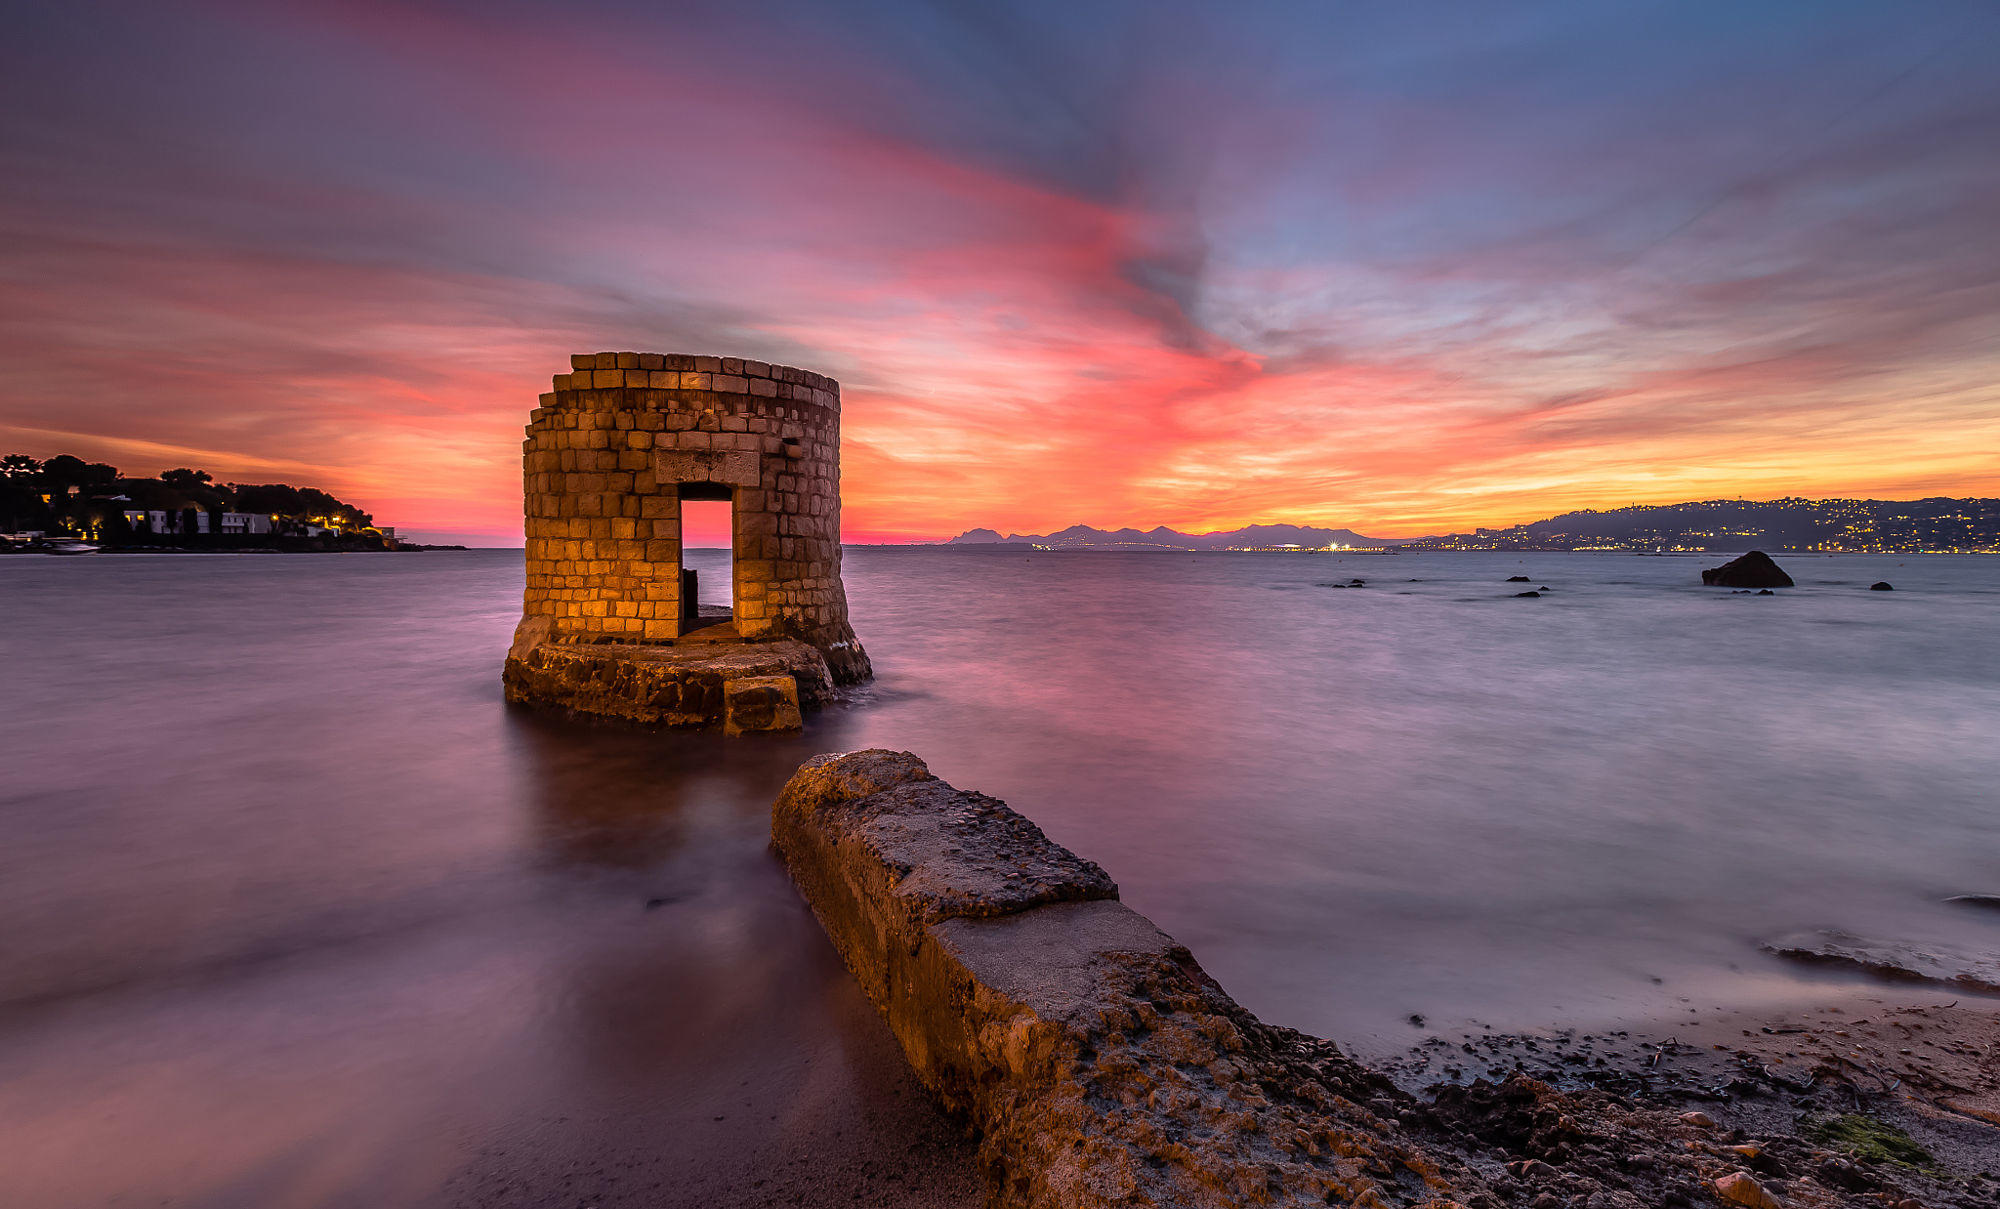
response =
{"points": [[294, 910]]}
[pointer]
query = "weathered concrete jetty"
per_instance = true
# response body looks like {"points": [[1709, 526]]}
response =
{"points": [[1095, 1059], [609, 623]]}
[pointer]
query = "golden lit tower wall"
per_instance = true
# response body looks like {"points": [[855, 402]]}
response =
{"points": [[618, 444]]}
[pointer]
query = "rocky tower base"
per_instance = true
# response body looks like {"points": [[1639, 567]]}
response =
{"points": [[737, 686], [1097, 1062]]}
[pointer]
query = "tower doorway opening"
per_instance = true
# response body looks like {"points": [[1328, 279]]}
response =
{"points": [[708, 528]]}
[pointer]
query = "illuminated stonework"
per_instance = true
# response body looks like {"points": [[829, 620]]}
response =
{"points": [[613, 451]]}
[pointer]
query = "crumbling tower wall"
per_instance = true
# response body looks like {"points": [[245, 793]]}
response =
{"points": [[611, 453]]}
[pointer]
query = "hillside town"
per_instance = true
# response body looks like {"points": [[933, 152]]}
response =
{"points": [[65, 504], [1939, 525]]}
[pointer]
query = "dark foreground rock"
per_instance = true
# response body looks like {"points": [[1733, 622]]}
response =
{"points": [[1753, 570], [1881, 585], [1869, 1104]]}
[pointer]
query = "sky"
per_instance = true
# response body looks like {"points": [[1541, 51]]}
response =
{"points": [[1405, 267]]}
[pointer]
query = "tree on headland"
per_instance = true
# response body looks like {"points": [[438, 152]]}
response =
{"points": [[63, 472], [19, 467], [302, 503], [185, 479]]}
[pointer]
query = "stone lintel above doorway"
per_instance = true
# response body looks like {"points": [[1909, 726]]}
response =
{"points": [[735, 468]]}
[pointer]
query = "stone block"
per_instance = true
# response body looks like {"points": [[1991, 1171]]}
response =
{"points": [[737, 469], [761, 703]]}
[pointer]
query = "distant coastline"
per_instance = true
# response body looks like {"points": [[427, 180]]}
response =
{"points": [[1938, 525]]}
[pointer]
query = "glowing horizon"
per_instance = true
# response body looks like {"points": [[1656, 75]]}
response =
{"points": [[1367, 269]]}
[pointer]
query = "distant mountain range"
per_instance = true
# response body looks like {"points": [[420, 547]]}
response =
{"points": [[1938, 524], [1252, 537]]}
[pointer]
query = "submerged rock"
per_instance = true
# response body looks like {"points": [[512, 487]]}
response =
{"points": [[1519, 579], [1989, 901], [1881, 585], [1529, 595], [1894, 959], [1753, 570]]}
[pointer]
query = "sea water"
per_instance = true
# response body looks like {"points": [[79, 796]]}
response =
{"points": [[295, 910]]}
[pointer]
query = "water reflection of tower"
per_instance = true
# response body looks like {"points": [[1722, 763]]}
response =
{"points": [[690, 1017]]}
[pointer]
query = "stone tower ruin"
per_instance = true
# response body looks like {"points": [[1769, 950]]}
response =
{"points": [[609, 458]]}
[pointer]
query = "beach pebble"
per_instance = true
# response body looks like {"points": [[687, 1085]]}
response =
{"points": [[1742, 1188], [1699, 1120]]}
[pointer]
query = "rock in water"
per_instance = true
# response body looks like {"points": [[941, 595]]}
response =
{"points": [[1753, 570], [1938, 963], [1527, 595], [760, 703], [1519, 579], [1989, 901], [1881, 585]]}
